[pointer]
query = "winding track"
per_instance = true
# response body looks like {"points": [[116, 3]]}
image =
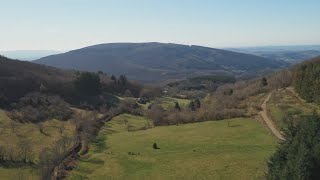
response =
{"points": [[268, 121]]}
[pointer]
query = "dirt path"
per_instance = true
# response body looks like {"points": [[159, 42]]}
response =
{"points": [[301, 101], [268, 121]]}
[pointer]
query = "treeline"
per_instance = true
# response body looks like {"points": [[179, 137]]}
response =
{"points": [[298, 157], [307, 80], [177, 115]]}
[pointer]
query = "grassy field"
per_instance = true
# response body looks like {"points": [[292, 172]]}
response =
{"points": [[285, 102], [166, 102], [208, 150], [169, 102], [29, 132], [25, 173]]}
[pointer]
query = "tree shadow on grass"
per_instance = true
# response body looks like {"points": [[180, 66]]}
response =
{"points": [[100, 144], [234, 125], [16, 165]]}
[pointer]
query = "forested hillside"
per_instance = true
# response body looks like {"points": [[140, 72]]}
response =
{"points": [[150, 62], [81, 89], [307, 80], [17, 78]]}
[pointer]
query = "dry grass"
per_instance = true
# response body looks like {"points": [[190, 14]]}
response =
{"points": [[9, 138]]}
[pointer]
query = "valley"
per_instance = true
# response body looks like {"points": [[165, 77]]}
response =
{"points": [[159, 90], [70, 124]]}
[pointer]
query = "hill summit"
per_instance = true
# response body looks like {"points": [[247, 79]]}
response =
{"points": [[149, 62]]}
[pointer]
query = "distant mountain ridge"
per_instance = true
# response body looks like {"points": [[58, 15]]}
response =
{"points": [[291, 54], [28, 55], [150, 62]]}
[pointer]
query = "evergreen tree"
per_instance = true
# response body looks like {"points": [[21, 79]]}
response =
{"points": [[192, 106], [113, 78], [307, 80], [264, 81], [197, 103], [177, 106], [155, 146], [88, 84], [298, 157]]}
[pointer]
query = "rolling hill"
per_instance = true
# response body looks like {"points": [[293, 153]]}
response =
{"points": [[18, 78], [149, 62], [290, 54], [28, 55]]}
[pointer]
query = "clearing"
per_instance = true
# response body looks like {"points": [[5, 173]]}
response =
{"points": [[285, 102]]}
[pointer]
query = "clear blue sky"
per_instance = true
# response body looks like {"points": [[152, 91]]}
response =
{"points": [[70, 24]]}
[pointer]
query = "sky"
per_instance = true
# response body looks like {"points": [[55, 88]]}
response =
{"points": [[71, 24]]}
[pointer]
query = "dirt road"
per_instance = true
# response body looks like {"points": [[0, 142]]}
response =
{"points": [[268, 121]]}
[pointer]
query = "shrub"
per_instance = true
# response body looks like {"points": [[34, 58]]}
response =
{"points": [[157, 114]]}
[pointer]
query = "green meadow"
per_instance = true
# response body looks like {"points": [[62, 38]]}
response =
{"points": [[208, 150], [169, 102]]}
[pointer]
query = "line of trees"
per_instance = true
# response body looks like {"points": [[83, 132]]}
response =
{"points": [[52, 156]]}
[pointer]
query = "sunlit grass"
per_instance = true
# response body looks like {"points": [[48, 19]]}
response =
{"points": [[208, 150]]}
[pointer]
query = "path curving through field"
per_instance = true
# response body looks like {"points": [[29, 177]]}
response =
{"points": [[268, 121]]}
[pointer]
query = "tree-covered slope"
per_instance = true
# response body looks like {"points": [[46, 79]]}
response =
{"points": [[18, 78], [307, 80], [158, 61]]}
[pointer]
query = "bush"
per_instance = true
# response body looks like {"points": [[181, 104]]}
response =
{"points": [[157, 114]]}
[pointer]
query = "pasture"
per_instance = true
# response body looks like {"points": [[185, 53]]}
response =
{"points": [[208, 150]]}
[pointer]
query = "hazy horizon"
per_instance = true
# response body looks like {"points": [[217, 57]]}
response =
{"points": [[221, 47], [65, 25]]}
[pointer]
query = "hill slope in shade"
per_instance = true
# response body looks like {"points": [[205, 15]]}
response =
{"points": [[158, 61], [19, 77]]}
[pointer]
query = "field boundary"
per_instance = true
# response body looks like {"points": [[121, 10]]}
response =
{"points": [[60, 173]]}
